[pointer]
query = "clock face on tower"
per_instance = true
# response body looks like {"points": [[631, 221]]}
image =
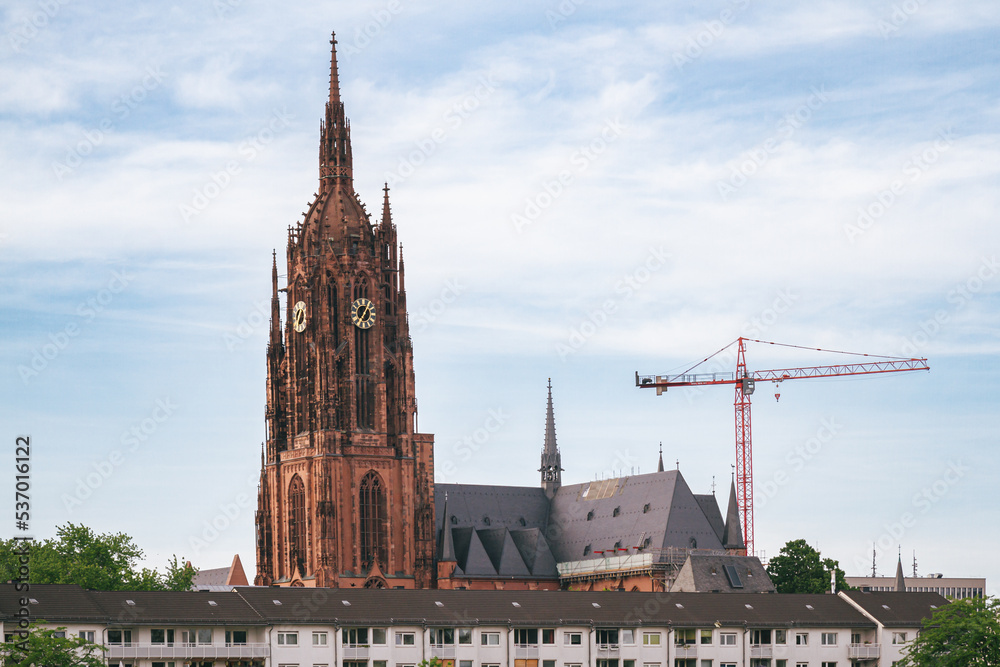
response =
{"points": [[363, 313], [299, 316]]}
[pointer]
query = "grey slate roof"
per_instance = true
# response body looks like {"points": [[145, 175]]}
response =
{"points": [[345, 607], [705, 573], [673, 518], [517, 531], [898, 610]]}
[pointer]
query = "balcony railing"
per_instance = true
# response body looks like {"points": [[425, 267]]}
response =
{"points": [[685, 651], [443, 651], [608, 649], [864, 651], [178, 651], [525, 651], [356, 652], [761, 651]]}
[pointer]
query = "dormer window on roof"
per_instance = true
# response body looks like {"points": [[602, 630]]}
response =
{"points": [[618, 510]]}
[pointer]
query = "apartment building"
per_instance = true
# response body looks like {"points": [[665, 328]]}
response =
{"points": [[289, 627]]}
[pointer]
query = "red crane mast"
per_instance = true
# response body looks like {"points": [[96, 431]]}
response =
{"points": [[744, 382]]}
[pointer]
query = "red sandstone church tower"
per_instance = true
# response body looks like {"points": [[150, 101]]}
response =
{"points": [[346, 492]]}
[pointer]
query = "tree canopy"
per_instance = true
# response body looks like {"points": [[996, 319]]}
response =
{"points": [[50, 646], [105, 562], [798, 568], [963, 633]]}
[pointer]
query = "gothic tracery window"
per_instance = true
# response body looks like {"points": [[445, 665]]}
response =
{"points": [[372, 514], [297, 523]]}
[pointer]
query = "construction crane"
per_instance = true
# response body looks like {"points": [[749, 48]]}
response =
{"points": [[744, 382]]}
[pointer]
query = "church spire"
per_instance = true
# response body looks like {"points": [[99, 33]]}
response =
{"points": [[900, 580], [551, 459], [335, 159], [659, 467], [386, 211], [275, 304], [732, 536]]}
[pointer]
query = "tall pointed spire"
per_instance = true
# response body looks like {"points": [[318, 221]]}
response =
{"points": [[551, 459], [386, 211], [659, 467], [335, 158], [334, 73], [900, 580], [275, 303], [447, 547], [732, 536]]}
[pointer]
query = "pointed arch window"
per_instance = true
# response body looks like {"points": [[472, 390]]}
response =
{"points": [[372, 514], [297, 523]]}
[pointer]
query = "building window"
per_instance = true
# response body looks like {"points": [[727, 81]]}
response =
{"points": [[683, 636], [617, 511], [801, 639], [779, 636], [525, 637], [404, 639], [319, 639], [468, 663], [607, 636], [727, 639], [828, 639], [572, 639], [590, 515], [288, 639], [760, 637], [899, 638], [443, 636], [88, 635], [548, 636], [490, 639], [651, 639], [706, 636], [233, 637], [586, 550], [379, 663], [120, 637], [780, 663], [465, 635], [548, 663], [628, 637], [61, 634], [297, 523], [829, 664], [373, 520], [351, 637], [378, 636]]}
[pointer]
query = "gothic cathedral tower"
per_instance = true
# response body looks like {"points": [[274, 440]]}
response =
{"points": [[346, 493]]}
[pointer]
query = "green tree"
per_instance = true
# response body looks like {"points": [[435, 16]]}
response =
{"points": [[963, 633], [105, 562], [48, 646], [798, 568]]}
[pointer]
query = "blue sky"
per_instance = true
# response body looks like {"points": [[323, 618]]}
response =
{"points": [[583, 190]]}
